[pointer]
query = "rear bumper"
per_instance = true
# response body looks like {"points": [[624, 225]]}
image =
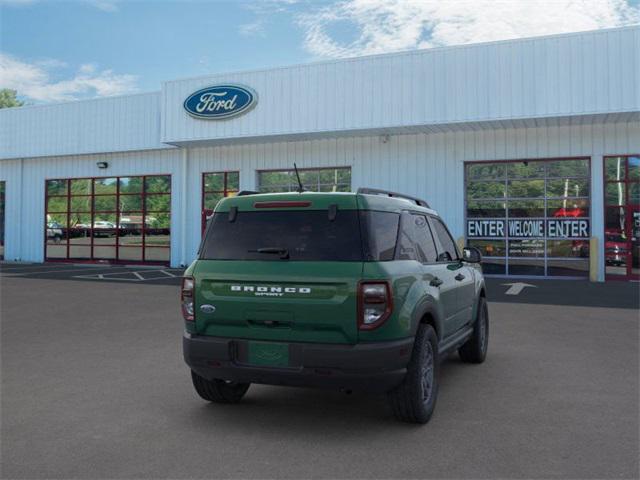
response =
{"points": [[370, 367]]}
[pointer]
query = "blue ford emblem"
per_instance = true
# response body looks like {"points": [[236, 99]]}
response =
{"points": [[220, 101]]}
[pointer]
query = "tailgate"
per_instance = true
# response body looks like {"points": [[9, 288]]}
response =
{"points": [[281, 301]]}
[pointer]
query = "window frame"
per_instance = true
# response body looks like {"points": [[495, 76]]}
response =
{"points": [[3, 198], [226, 192], [546, 177], [627, 181], [301, 170], [144, 247]]}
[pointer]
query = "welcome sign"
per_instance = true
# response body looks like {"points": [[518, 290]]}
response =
{"points": [[220, 102], [528, 228]]}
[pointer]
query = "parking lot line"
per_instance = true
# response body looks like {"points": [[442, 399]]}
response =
{"points": [[135, 276], [4, 272]]}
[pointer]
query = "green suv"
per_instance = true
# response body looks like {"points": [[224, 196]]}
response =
{"points": [[352, 291]]}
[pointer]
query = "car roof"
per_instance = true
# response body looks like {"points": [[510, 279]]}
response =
{"points": [[320, 201]]}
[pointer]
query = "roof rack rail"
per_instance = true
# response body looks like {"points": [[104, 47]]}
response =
{"points": [[375, 191], [242, 193]]}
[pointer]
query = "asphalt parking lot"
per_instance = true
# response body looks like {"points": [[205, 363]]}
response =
{"points": [[94, 386]]}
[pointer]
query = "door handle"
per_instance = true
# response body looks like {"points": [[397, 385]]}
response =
{"points": [[459, 277], [436, 282]]}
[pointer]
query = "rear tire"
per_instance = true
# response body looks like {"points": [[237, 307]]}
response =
{"points": [[414, 400], [219, 391], [475, 349]]}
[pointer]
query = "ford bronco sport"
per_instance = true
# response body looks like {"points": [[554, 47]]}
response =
{"points": [[353, 291]]}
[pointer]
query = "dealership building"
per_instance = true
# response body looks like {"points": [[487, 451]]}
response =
{"points": [[529, 149]]}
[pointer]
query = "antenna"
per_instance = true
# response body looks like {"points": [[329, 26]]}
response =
{"points": [[300, 186]]}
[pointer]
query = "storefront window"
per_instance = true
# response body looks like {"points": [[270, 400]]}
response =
{"points": [[315, 180], [109, 219], [530, 218], [622, 217], [216, 186], [2, 187]]}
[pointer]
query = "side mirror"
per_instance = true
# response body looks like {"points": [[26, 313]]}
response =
{"points": [[471, 255]]}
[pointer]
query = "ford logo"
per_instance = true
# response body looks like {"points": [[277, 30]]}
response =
{"points": [[220, 101]]}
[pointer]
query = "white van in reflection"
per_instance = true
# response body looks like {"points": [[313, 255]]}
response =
{"points": [[132, 224]]}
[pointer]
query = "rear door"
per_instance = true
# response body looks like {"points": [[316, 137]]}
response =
{"points": [[280, 275], [416, 241]]}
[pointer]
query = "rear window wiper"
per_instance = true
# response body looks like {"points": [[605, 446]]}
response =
{"points": [[283, 252]]}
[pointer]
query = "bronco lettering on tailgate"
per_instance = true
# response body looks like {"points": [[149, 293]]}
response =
{"points": [[271, 291]]}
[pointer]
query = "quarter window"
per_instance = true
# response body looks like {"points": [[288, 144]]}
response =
{"points": [[380, 234]]}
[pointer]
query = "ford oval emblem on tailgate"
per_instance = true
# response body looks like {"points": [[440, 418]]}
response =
{"points": [[207, 308]]}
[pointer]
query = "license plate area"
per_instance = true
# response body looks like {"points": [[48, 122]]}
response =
{"points": [[268, 354]]}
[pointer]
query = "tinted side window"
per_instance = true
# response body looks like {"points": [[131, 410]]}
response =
{"points": [[415, 242], [425, 238], [380, 232], [448, 245]]}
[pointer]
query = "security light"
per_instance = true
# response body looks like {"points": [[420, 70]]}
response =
{"points": [[102, 164]]}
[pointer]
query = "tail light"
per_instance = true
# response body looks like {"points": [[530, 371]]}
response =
{"points": [[187, 298], [375, 304]]}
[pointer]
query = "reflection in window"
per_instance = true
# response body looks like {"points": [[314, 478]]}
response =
{"points": [[568, 168], [568, 188], [215, 187], [486, 171], [486, 190], [519, 194], [106, 219], [525, 208], [315, 180], [614, 168], [568, 248], [485, 209], [615, 193], [528, 169], [489, 248], [568, 208], [525, 188]]}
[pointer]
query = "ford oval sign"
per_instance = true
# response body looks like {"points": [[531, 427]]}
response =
{"points": [[220, 102]]}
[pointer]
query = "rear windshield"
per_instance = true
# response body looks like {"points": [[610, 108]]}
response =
{"points": [[284, 235], [308, 235]]}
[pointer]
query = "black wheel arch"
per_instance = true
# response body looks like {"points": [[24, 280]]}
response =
{"points": [[427, 314]]}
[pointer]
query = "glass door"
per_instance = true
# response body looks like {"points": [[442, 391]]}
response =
{"points": [[622, 217]]}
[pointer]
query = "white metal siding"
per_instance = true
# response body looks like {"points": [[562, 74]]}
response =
{"points": [[11, 174], [25, 196], [112, 124], [425, 165], [558, 76]]}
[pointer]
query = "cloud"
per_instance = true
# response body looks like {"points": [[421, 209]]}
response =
{"points": [[252, 29], [34, 80], [390, 25], [104, 5]]}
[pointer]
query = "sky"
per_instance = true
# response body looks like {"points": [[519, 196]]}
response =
{"points": [[54, 50]]}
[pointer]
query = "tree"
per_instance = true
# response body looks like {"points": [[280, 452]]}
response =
{"points": [[8, 98]]}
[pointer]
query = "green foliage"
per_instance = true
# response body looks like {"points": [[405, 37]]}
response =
{"points": [[8, 98]]}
